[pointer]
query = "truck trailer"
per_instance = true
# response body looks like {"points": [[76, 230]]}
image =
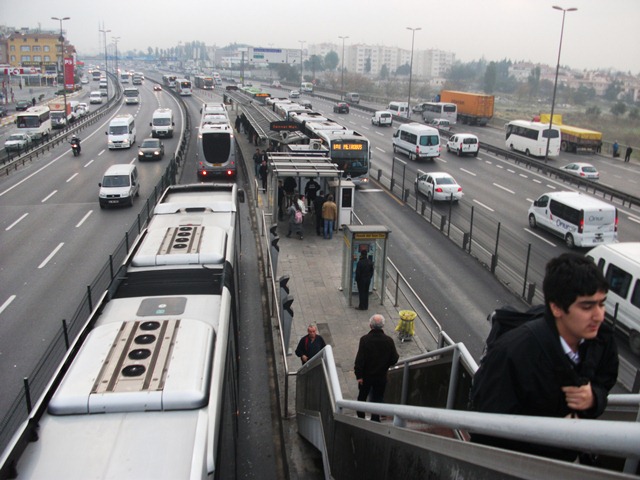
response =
{"points": [[574, 138], [57, 113], [473, 108]]}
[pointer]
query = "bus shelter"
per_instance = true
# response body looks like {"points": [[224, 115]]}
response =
{"points": [[301, 167]]}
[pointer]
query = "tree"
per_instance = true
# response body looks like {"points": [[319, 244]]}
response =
{"points": [[367, 65], [384, 72], [534, 82], [490, 76], [593, 111], [331, 60], [403, 69], [634, 113], [612, 91], [619, 109]]}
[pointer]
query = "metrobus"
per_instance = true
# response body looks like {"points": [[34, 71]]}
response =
{"points": [[216, 145], [124, 77], [169, 80], [446, 111], [156, 366], [206, 83], [531, 138], [350, 150], [183, 86], [35, 122], [95, 75]]}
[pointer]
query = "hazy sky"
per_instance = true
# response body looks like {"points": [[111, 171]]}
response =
{"points": [[601, 34]]}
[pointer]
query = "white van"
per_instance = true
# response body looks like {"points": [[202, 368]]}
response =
{"points": [[382, 117], [95, 97], [122, 132], [418, 141], [462, 143], [119, 185], [581, 220], [131, 96], [162, 123], [400, 109], [352, 97], [620, 263]]}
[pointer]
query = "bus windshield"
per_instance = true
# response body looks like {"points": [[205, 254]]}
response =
{"points": [[27, 121]]}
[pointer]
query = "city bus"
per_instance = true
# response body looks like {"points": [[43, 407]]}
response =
{"points": [[350, 150], [124, 77], [169, 80], [35, 122], [531, 138], [95, 75], [446, 111], [206, 83], [183, 86]]}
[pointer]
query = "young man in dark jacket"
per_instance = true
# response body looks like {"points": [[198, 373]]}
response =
{"points": [[560, 365], [376, 353]]}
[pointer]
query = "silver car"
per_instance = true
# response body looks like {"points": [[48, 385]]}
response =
{"points": [[438, 186], [582, 170]]}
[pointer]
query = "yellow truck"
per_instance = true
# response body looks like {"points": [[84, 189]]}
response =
{"points": [[575, 138]]}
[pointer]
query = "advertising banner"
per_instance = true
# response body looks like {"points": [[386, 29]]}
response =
{"points": [[68, 73]]}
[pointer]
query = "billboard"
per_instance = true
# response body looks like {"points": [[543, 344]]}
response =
{"points": [[68, 74]]}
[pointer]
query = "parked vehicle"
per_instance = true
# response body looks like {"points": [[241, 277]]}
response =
{"points": [[463, 143], [22, 105], [473, 108]]}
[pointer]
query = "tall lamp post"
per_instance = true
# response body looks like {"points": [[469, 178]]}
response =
{"points": [[302, 42], [413, 36], [342, 76], [105, 57], [115, 42], [61, 64], [555, 83]]}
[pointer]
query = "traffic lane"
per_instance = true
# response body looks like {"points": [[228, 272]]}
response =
{"points": [[456, 288]]}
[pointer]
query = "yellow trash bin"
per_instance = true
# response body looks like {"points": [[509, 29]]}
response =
{"points": [[405, 326]]}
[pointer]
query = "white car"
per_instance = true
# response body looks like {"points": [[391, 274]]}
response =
{"points": [[463, 143], [382, 117], [17, 142], [294, 94], [582, 170], [438, 186]]}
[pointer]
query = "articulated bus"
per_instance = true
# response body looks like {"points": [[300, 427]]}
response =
{"points": [[206, 83], [95, 75], [216, 144], [447, 111], [531, 138], [183, 86], [350, 150], [169, 80], [35, 121], [151, 388]]}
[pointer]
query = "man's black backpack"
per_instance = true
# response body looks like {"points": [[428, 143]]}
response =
{"points": [[507, 318]]}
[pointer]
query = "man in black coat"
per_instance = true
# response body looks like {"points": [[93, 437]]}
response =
{"points": [[310, 344], [317, 209], [376, 353], [364, 274], [560, 365]]}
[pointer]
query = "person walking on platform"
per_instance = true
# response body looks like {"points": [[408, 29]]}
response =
{"points": [[627, 154], [364, 274], [376, 353], [264, 175], [280, 200], [329, 216], [317, 209], [257, 161], [311, 190], [295, 220], [310, 344]]}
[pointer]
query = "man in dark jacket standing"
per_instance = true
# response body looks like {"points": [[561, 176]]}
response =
{"points": [[560, 365], [310, 344], [376, 353], [364, 273]]}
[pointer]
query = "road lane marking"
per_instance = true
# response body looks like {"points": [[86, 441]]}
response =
{"points": [[538, 236], [16, 222], [504, 188], [483, 205], [523, 175], [101, 152], [7, 303], [84, 218], [535, 180], [72, 177], [48, 196], [633, 219], [88, 163], [381, 150], [46, 260], [469, 172]]}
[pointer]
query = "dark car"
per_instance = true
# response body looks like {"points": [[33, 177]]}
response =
{"points": [[151, 149], [3, 111], [22, 105], [341, 107]]}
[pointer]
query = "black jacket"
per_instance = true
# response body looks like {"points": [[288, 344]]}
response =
{"points": [[376, 353], [364, 270], [309, 348]]}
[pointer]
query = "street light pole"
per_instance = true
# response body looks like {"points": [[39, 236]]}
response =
{"points": [[555, 83], [105, 58], [413, 36], [342, 80], [64, 83], [115, 41], [302, 42]]}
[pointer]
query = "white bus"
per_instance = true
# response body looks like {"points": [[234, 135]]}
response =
{"points": [[124, 77], [216, 144], [183, 86], [531, 138], [446, 111], [35, 122], [306, 87]]}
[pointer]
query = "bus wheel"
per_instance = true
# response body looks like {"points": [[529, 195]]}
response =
{"points": [[527, 153], [569, 241], [564, 146], [634, 342], [532, 220]]}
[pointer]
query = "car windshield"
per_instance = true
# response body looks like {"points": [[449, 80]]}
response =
{"points": [[116, 181], [150, 144], [16, 136], [445, 181]]}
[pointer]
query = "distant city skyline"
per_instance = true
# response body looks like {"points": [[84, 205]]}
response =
{"points": [[599, 35]]}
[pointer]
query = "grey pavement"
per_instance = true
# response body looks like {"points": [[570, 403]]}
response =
{"points": [[314, 266]]}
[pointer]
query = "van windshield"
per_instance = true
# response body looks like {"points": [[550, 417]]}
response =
{"points": [[118, 130], [115, 181], [162, 122]]}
